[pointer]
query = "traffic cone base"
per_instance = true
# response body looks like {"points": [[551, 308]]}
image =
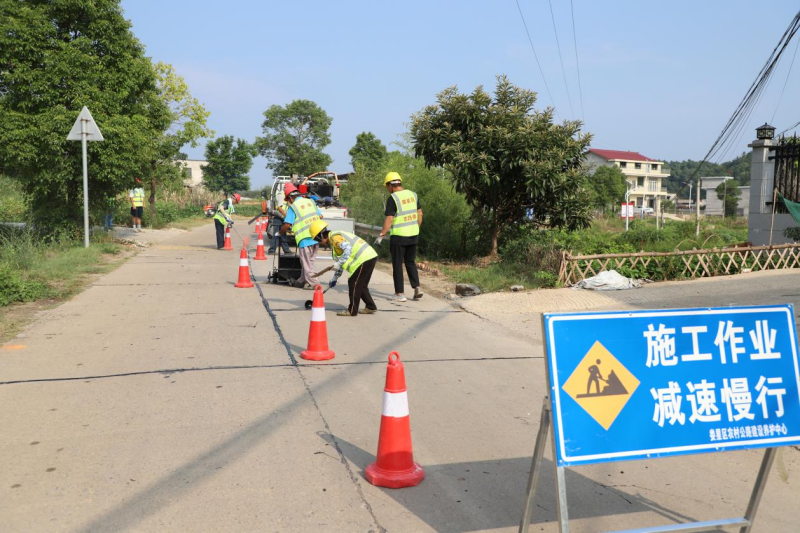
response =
{"points": [[394, 467], [318, 331], [244, 272], [393, 479]]}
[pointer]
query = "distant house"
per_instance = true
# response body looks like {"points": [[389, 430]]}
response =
{"points": [[192, 172], [714, 203], [643, 174]]}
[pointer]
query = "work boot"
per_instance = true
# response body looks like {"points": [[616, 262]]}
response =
{"points": [[367, 311], [417, 293], [343, 312], [399, 298]]}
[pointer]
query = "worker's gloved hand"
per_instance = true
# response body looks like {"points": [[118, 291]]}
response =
{"points": [[230, 222], [378, 240], [331, 283]]}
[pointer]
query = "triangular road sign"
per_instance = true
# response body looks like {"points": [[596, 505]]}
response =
{"points": [[91, 128]]}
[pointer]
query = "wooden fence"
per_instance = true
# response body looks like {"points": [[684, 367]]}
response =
{"points": [[680, 265]]}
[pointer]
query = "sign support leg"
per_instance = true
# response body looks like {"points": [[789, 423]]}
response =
{"points": [[758, 488], [538, 452], [84, 133]]}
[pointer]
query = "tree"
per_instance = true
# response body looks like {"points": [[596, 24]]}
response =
{"points": [[510, 161], [228, 165], [608, 186], [187, 124], [294, 137], [728, 191], [58, 57], [368, 152]]}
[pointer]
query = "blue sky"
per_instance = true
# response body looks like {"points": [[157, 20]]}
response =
{"points": [[661, 78]]}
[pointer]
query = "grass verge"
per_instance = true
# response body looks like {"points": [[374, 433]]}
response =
{"points": [[35, 275]]}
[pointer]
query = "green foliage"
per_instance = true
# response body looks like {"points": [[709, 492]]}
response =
{"points": [[448, 227], [186, 123], [500, 276], [12, 200], [294, 137], [57, 58], [368, 152], [608, 187], [509, 161], [228, 164], [792, 233], [730, 194]]}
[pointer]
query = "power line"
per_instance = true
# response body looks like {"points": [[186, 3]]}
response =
{"points": [[536, 57], [560, 59], [785, 82], [739, 119], [577, 64], [790, 127]]}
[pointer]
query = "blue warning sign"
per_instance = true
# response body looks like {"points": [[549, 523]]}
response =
{"points": [[635, 385]]}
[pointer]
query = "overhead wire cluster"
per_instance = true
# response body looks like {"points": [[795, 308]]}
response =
{"points": [[560, 58], [730, 134]]}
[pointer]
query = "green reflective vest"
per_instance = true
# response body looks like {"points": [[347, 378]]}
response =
{"points": [[138, 197], [405, 223], [305, 212], [219, 216], [359, 254]]}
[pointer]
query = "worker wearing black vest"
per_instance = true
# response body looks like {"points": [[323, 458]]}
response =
{"points": [[403, 220]]}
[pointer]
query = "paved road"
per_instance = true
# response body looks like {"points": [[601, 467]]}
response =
{"points": [[164, 399]]}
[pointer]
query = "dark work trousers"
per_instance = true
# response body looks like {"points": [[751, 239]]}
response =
{"points": [[358, 287], [277, 224], [220, 233], [404, 254]]}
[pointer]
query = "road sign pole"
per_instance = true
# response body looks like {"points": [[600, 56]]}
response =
{"points": [[538, 453], [84, 135], [758, 489]]}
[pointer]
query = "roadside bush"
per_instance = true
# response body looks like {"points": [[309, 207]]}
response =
{"points": [[450, 229], [13, 289], [12, 201]]}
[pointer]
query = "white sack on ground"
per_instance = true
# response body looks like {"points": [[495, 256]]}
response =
{"points": [[608, 280]]}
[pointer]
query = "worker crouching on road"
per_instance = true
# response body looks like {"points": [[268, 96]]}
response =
{"points": [[353, 254], [301, 214], [222, 217], [403, 220]]}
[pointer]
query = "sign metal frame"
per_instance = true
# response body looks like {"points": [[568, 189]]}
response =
{"points": [[742, 524]]}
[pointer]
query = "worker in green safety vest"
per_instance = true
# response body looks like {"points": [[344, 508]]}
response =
{"points": [[222, 218], [301, 214], [351, 253], [136, 196], [403, 219]]}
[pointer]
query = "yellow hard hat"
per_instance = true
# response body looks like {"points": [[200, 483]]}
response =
{"points": [[392, 176], [316, 227]]}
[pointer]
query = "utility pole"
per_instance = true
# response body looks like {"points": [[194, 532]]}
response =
{"points": [[85, 130], [697, 218]]}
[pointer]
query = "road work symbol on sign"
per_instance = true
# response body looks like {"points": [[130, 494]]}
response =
{"points": [[601, 385]]}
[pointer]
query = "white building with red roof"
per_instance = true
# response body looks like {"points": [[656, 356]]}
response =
{"points": [[644, 175]]}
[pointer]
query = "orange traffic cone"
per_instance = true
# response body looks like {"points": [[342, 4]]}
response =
{"points": [[317, 331], [258, 226], [395, 467], [260, 255], [227, 239], [244, 271]]}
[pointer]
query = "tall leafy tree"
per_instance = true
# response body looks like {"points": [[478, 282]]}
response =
{"points": [[368, 152], [56, 58], [510, 161], [187, 124], [294, 137], [730, 195], [228, 164], [608, 186]]}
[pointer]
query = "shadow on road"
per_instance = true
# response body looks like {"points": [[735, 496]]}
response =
{"points": [[487, 495]]}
